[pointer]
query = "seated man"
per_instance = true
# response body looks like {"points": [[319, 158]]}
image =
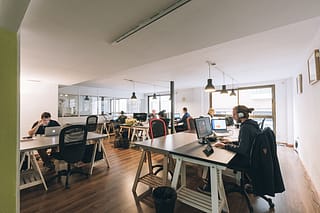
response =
{"points": [[38, 129], [183, 120]]}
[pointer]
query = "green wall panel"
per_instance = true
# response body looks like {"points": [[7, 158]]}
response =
{"points": [[9, 120]]}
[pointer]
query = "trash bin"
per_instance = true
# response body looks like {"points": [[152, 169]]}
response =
{"points": [[164, 199]]}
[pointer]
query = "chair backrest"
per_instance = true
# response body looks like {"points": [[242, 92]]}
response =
{"points": [[191, 124], [229, 121], [72, 142], [261, 124], [91, 123], [157, 128]]}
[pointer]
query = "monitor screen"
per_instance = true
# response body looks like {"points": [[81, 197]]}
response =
{"points": [[176, 115], [203, 127], [140, 116], [218, 124]]}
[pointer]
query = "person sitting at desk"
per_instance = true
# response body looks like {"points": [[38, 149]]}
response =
{"points": [[38, 128], [122, 118], [248, 131], [163, 117], [153, 114], [183, 120]]}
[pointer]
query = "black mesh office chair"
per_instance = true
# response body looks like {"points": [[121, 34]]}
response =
{"points": [[72, 142], [91, 123], [157, 128], [91, 126], [260, 178]]}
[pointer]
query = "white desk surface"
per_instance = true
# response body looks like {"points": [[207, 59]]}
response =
{"points": [[40, 142]]}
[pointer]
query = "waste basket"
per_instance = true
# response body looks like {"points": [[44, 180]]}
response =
{"points": [[164, 199]]}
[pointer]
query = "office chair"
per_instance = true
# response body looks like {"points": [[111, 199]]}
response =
{"points": [[91, 126], [254, 179], [261, 124], [91, 123], [72, 143], [229, 121], [190, 123], [157, 128]]}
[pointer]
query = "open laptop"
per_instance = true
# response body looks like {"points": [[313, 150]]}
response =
{"points": [[219, 126], [52, 131]]}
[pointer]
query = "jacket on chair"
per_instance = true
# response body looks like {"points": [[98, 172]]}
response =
{"points": [[265, 169]]}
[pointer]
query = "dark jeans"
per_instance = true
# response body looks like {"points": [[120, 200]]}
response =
{"points": [[44, 156]]}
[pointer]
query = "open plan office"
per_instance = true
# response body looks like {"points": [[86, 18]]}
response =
{"points": [[162, 106]]}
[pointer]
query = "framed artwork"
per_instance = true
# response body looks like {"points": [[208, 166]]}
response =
{"points": [[314, 67], [299, 84]]}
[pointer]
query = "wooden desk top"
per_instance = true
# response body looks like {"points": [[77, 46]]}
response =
{"points": [[168, 142], [41, 142]]}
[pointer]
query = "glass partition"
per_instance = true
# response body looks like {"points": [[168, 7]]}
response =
{"points": [[68, 105]]}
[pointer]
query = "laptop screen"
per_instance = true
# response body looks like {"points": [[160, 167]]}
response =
{"points": [[219, 124]]}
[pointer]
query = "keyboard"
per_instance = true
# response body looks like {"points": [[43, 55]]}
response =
{"points": [[211, 139]]}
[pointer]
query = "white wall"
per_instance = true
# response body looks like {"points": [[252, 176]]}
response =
{"points": [[35, 98], [306, 121], [195, 99]]}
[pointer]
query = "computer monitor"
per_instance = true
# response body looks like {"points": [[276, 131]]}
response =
{"points": [[203, 128], [142, 117], [176, 116]]}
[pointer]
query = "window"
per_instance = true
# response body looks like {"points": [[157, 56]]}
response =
{"points": [[104, 105], [161, 103], [260, 98], [118, 105], [88, 105], [68, 105]]}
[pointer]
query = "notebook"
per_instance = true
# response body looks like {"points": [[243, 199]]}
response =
{"points": [[52, 131]]}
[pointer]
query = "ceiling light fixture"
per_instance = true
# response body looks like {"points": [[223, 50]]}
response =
{"points": [[86, 98], [232, 90], [209, 87], [133, 96], [154, 96], [149, 21], [224, 87]]}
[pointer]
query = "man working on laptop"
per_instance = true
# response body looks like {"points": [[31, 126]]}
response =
{"points": [[38, 128], [248, 131]]}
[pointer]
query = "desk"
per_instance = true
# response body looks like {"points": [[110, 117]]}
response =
{"points": [[133, 131], [163, 145], [184, 148], [193, 153], [34, 176]]}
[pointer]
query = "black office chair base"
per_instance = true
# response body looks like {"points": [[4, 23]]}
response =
{"points": [[245, 191], [159, 168], [68, 172]]}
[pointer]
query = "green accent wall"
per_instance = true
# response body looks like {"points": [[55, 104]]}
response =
{"points": [[9, 120]]}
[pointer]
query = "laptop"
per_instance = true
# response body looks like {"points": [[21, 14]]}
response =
{"points": [[219, 126], [52, 131]]}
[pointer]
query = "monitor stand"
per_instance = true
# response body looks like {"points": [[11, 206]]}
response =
{"points": [[202, 141]]}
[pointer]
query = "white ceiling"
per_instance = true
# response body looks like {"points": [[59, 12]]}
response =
{"points": [[69, 42]]}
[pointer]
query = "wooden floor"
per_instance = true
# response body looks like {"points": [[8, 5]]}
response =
{"points": [[109, 190]]}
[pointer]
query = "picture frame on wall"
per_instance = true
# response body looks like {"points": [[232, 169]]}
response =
{"points": [[299, 84], [314, 67]]}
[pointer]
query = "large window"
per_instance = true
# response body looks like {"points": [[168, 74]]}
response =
{"points": [[68, 105], [260, 98], [161, 103], [118, 105], [88, 105]]}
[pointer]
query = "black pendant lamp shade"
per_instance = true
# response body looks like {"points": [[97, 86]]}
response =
{"points": [[233, 93], [86, 98], [224, 89], [133, 95], [154, 96], [209, 87]]}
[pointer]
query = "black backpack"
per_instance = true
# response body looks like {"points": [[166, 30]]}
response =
{"points": [[122, 140]]}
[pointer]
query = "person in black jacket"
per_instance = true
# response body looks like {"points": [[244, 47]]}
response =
{"points": [[248, 131], [38, 128]]}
